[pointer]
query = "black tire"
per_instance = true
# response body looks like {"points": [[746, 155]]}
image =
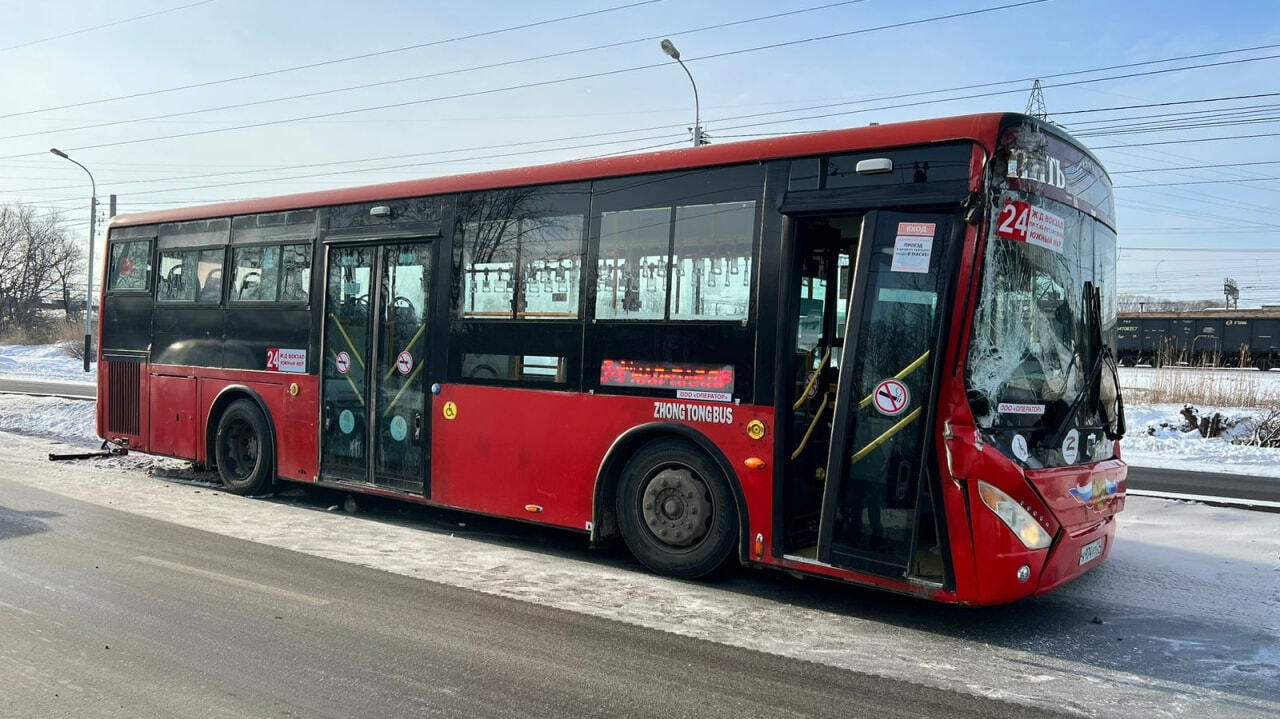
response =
{"points": [[242, 448], [676, 511]]}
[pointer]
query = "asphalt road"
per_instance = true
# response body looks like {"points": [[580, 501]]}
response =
{"points": [[1209, 484], [105, 613], [50, 388]]}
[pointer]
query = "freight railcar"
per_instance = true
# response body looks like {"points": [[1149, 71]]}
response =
{"points": [[1210, 338]]}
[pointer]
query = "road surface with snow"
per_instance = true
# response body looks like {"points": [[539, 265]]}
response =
{"points": [[1183, 620]]}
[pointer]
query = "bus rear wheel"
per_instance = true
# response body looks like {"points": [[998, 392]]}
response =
{"points": [[676, 511], [242, 448]]}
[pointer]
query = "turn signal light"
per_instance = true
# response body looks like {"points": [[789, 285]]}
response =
{"points": [[535, 508], [754, 463]]}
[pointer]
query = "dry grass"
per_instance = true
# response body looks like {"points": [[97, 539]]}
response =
{"points": [[1204, 388], [68, 335]]}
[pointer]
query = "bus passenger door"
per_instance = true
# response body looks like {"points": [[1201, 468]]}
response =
{"points": [[374, 428], [344, 375], [877, 513], [398, 414]]}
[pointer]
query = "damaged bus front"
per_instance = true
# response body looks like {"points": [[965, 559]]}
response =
{"points": [[1041, 377]]}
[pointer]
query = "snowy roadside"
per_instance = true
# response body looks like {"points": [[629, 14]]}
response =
{"points": [[1155, 440], [45, 362]]}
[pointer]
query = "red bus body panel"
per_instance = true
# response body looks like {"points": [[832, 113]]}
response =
{"points": [[177, 405], [556, 443]]}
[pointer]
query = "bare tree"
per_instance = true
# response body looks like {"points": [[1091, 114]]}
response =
{"points": [[1152, 303], [37, 262]]}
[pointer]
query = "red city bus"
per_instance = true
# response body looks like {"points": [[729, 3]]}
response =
{"points": [[880, 355]]}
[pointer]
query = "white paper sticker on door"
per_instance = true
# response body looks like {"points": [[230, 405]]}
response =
{"points": [[913, 247]]}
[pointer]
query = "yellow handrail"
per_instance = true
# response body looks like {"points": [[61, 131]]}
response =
{"points": [[901, 375], [804, 441], [862, 453], [405, 386], [345, 336], [812, 380], [391, 370], [348, 378]]}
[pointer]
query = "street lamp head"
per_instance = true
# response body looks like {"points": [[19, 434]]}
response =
{"points": [[59, 153], [670, 49]]}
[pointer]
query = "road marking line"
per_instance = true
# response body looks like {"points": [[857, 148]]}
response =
{"points": [[234, 581], [1231, 501]]}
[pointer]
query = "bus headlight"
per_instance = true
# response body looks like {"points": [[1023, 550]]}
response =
{"points": [[1024, 526]]}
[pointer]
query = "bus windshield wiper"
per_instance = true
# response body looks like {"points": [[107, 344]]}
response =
{"points": [[1093, 324]]}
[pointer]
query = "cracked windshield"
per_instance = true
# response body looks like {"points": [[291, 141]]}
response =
{"points": [[1036, 367]]}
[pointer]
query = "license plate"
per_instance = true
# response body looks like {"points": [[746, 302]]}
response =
{"points": [[1091, 551]]}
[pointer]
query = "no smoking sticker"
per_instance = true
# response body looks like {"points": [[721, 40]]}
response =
{"points": [[891, 397], [404, 362], [343, 362]]}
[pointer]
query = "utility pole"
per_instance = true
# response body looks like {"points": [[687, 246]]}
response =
{"points": [[93, 228], [1035, 103]]}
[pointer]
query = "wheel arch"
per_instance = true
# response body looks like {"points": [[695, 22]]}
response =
{"points": [[604, 523], [225, 397]]}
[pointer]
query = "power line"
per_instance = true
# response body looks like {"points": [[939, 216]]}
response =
{"points": [[1202, 249], [1199, 182], [1184, 142], [1171, 119], [661, 127], [1168, 103], [530, 85], [105, 25], [334, 61], [970, 96], [444, 73], [1196, 167], [1077, 72]]}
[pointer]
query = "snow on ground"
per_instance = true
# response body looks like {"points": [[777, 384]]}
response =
{"points": [[1183, 619], [69, 419], [1154, 440], [46, 362]]}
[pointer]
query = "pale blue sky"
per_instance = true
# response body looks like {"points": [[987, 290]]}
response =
{"points": [[1163, 229]]}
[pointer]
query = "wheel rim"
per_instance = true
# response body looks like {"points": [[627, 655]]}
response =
{"points": [[241, 449], [676, 506]]}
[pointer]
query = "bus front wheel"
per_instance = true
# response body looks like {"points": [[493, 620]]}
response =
{"points": [[242, 448], [676, 511]]}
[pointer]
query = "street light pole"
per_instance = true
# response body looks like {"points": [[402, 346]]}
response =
{"points": [[670, 49], [88, 291]]}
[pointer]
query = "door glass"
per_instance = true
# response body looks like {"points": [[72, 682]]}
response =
{"points": [[399, 414], [346, 352], [878, 461], [821, 306]]}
